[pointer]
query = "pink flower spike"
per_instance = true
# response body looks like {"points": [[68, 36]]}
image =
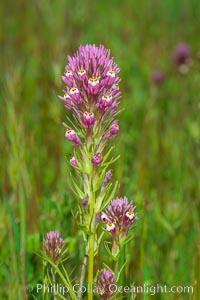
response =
{"points": [[72, 136], [106, 283], [121, 216], [88, 119], [91, 71], [53, 245]]}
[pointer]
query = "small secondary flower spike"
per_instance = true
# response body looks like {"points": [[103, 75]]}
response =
{"points": [[106, 284], [52, 245]]}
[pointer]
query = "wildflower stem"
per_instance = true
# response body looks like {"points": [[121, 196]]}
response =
{"points": [[54, 282], [82, 278], [44, 280], [116, 267], [91, 265], [91, 245]]}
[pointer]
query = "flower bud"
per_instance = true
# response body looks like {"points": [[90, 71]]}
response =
{"points": [[85, 202], [107, 178], [73, 161], [97, 159]]}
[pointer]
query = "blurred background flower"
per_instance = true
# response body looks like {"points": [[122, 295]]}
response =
{"points": [[182, 54], [158, 77], [182, 57]]}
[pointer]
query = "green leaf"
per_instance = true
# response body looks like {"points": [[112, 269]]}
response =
{"points": [[84, 228], [112, 195], [108, 153], [111, 161], [78, 190], [100, 198], [121, 269], [161, 219], [73, 124], [15, 227], [61, 296], [115, 258], [99, 181], [128, 239], [107, 267]]}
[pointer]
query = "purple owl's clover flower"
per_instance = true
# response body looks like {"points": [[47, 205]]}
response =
{"points": [[92, 75], [106, 284], [119, 218], [53, 244], [92, 95]]}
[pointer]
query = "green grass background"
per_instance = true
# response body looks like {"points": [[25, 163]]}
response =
{"points": [[158, 140]]}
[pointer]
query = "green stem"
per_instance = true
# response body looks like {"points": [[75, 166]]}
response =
{"points": [[44, 280], [54, 282], [116, 267], [91, 265], [82, 278], [65, 279], [91, 244]]}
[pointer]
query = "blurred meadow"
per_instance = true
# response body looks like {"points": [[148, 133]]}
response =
{"points": [[158, 140]]}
